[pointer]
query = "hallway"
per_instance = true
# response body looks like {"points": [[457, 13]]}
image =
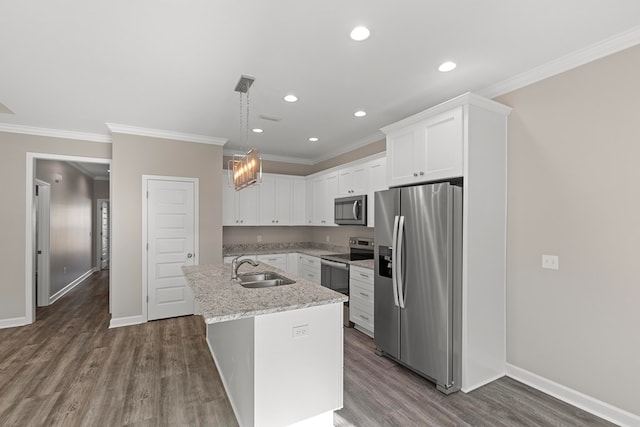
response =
{"points": [[68, 368]]}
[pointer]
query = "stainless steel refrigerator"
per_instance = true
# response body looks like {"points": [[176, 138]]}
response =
{"points": [[418, 280]]}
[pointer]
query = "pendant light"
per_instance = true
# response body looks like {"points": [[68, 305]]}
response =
{"points": [[245, 169]]}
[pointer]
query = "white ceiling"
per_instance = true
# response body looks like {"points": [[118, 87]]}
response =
{"points": [[173, 65]]}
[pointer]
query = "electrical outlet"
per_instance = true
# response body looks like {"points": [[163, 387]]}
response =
{"points": [[550, 261], [300, 331], [327, 238], [259, 238]]}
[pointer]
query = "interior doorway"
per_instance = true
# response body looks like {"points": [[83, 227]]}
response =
{"points": [[103, 246], [32, 225]]}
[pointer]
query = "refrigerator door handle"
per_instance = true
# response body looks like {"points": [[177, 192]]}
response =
{"points": [[394, 271], [400, 280]]}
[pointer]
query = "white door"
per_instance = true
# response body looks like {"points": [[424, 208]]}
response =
{"points": [[104, 235], [43, 250], [171, 231]]}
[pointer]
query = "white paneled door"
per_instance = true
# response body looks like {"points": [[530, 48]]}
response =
{"points": [[171, 237]]}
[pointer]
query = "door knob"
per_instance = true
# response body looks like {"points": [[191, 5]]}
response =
{"points": [[189, 255]]}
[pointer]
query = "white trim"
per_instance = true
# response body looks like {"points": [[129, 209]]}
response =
{"points": [[470, 388], [165, 134], [574, 397], [102, 178], [12, 323], [55, 133], [378, 136], [62, 292], [567, 62], [467, 98], [29, 253], [125, 321], [348, 165], [43, 221], [145, 237], [270, 157]]}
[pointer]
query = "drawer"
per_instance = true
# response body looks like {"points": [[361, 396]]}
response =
{"points": [[311, 261], [359, 273], [360, 316], [275, 258], [361, 293], [311, 276]]}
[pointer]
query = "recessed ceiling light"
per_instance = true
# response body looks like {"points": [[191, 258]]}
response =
{"points": [[447, 66], [360, 33], [257, 130], [360, 113], [313, 139], [291, 98]]}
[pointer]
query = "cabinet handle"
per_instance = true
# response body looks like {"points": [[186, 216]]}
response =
{"points": [[415, 174], [364, 295], [363, 316], [421, 173], [364, 275]]}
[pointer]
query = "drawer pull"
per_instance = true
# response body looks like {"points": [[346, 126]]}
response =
{"points": [[364, 275], [364, 295], [364, 317]]}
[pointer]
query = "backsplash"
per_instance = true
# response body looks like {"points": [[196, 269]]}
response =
{"points": [[249, 248]]}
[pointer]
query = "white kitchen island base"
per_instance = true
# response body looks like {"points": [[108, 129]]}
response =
{"points": [[283, 368]]}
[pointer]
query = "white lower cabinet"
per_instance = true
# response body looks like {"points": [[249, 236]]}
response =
{"points": [[309, 268], [274, 260], [361, 298]]}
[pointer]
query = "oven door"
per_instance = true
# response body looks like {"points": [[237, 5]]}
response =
{"points": [[335, 275]]}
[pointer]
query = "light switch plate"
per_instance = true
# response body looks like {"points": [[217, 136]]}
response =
{"points": [[259, 238], [550, 262]]}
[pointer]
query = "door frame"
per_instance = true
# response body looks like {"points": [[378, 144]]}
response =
{"points": [[145, 236], [98, 230], [44, 277], [30, 218]]}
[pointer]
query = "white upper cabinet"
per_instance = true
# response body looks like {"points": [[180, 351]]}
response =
{"points": [[238, 207], [377, 177], [429, 150], [353, 181], [325, 190], [298, 205], [275, 200], [308, 196]]}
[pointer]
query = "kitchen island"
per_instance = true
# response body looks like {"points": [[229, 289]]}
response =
{"points": [[278, 350]]}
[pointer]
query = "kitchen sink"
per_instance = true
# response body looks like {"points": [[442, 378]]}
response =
{"points": [[263, 280]]}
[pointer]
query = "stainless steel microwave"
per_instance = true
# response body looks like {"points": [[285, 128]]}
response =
{"points": [[351, 210]]}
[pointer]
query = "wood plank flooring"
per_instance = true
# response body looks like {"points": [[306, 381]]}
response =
{"points": [[69, 369]]}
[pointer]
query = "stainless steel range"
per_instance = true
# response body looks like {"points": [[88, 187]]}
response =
{"points": [[334, 273]]}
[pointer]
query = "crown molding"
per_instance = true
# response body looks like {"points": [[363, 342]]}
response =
{"points": [[271, 157], [575, 59], [351, 147], [165, 134], [55, 133]]}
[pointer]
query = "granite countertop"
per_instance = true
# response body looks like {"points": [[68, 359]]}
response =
{"points": [[365, 263], [222, 299]]}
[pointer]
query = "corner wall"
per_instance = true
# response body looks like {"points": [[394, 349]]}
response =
{"points": [[13, 149], [134, 156], [573, 150]]}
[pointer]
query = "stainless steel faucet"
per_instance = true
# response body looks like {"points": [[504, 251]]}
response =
{"points": [[235, 264]]}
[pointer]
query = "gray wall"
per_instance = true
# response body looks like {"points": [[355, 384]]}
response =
{"points": [[71, 217], [573, 150], [134, 156], [14, 148]]}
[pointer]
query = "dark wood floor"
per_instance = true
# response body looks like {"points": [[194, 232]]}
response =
{"points": [[69, 369]]}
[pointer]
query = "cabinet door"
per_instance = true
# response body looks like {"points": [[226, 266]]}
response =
{"points": [[228, 202], [359, 180], [283, 200], [247, 206], [331, 192], [377, 170], [345, 182], [319, 214], [298, 203], [403, 156], [443, 145], [267, 208], [308, 196]]}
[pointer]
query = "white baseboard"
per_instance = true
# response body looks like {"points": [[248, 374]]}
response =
{"points": [[469, 388], [55, 297], [12, 323], [126, 321], [574, 397]]}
